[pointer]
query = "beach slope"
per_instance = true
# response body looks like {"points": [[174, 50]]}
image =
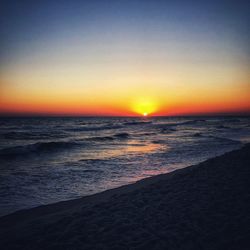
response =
{"points": [[206, 206]]}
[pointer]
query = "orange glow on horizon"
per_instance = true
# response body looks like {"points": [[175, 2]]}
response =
{"points": [[18, 102], [105, 109]]}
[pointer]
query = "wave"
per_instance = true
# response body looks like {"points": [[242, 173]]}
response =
{"points": [[158, 142], [122, 135], [136, 123], [106, 127], [146, 134], [233, 120], [36, 148], [216, 138], [92, 171], [30, 135], [222, 127], [167, 130], [192, 122], [108, 138], [100, 138], [174, 124], [197, 135], [169, 125], [166, 127], [91, 160], [223, 139]]}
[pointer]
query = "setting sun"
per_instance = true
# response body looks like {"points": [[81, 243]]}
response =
{"points": [[145, 106]]}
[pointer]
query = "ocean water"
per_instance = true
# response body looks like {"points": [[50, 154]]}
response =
{"points": [[46, 160]]}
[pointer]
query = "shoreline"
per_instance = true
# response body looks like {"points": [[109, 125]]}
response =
{"points": [[173, 192], [100, 196]]}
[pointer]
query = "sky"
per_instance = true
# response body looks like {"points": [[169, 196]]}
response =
{"points": [[124, 57]]}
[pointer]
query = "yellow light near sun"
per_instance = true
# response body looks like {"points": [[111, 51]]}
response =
{"points": [[144, 107]]}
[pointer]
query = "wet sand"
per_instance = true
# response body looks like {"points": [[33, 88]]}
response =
{"points": [[206, 206]]}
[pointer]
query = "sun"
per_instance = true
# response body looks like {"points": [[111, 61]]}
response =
{"points": [[144, 107]]}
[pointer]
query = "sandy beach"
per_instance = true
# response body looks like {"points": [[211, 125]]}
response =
{"points": [[205, 206]]}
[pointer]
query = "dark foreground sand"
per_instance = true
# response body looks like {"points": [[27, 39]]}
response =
{"points": [[200, 207]]}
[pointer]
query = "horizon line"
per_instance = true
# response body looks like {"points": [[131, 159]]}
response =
{"points": [[241, 114]]}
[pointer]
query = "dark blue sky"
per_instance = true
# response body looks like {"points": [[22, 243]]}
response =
{"points": [[27, 22]]}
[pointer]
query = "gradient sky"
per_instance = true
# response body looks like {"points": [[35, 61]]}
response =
{"points": [[124, 57]]}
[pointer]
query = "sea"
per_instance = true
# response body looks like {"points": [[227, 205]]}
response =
{"points": [[50, 159]]}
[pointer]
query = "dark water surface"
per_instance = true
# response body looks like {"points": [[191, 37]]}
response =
{"points": [[45, 160]]}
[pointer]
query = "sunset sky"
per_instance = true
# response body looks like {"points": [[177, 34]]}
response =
{"points": [[124, 57]]}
